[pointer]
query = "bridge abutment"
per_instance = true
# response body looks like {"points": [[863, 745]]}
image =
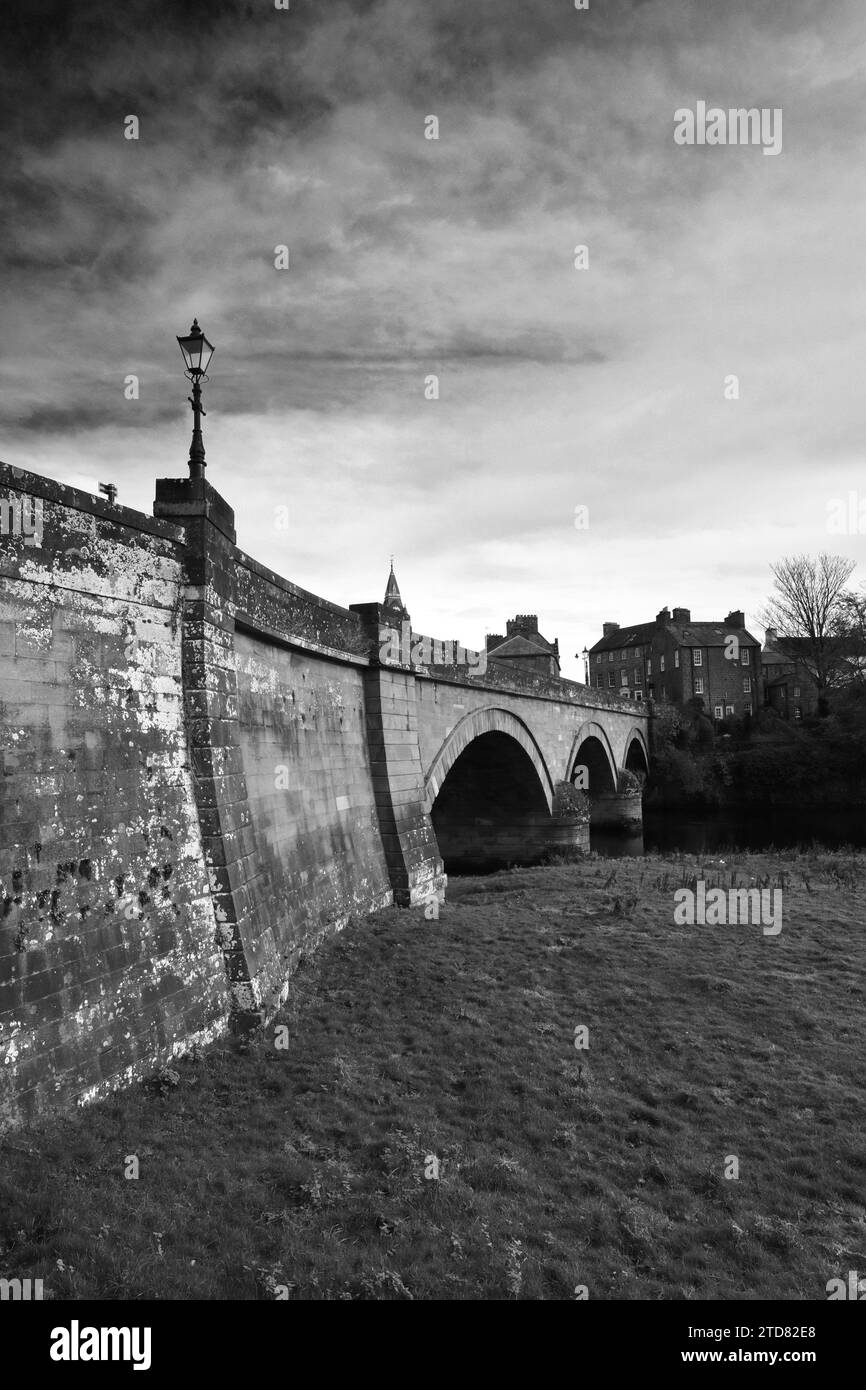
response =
{"points": [[616, 810], [481, 844]]}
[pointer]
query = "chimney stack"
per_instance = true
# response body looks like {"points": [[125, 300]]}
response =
{"points": [[521, 623]]}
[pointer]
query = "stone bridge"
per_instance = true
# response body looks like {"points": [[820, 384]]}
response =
{"points": [[206, 769], [492, 753]]}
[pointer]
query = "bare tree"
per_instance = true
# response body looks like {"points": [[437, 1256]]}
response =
{"points": [[853, 610], [808, 611]]}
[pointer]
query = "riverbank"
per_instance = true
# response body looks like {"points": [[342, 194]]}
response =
{"points": [[728, 832], [307, 1170], [773, 766]]}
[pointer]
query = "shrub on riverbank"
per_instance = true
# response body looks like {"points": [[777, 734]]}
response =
{"points": [[569, 800], [771, 763]]}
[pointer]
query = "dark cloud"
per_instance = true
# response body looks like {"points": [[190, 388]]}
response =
{"points": [[305, 128], [110, 410]]}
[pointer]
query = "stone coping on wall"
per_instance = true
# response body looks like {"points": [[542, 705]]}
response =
{"points": [[284, 613], [295, 590], [552, 688], [295, 643], [34, 485], [555, 689]]}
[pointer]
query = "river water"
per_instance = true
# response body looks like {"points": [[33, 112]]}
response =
{"points": [[668, 831]]}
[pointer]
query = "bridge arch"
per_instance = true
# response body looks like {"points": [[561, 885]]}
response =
{"points": [[490, 720], [636, 757], [591, 747]]}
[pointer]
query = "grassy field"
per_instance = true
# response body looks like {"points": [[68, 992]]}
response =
{"points": [[268, 1172]]}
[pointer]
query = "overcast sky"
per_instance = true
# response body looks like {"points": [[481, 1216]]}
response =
{"points": [[558, 388]]}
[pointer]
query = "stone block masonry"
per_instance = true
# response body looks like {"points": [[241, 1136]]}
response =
{"points": [[109, 959], [309, 789], [204, 769], [210, 684], [408, 838]]}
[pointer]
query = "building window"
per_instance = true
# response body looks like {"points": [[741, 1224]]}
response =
{"points": [[697, 657], [623, 677], [748, 707], [623, 654], [798, 713], [638, 694], [610, 656], [677, 659], [744, 655], [718, 711], [699, 685], [747, 684], [729, 709], [649, 665], [598, 658], [796, 692], [610, 680], [599, 681], [661, 663]]}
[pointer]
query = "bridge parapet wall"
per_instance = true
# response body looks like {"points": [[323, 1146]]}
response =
{"points": [[533, 686]]}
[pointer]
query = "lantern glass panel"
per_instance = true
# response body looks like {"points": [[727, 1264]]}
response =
{"points": [[197, 351], [205, 354], [191, 349]]}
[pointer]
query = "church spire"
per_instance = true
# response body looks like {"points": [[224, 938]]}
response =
{"points": [[393, 601], [392, 592]]}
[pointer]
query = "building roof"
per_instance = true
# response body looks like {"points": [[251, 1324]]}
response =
{"points": [[626, 637], [687, 634], [521, 646], [770, 657]]}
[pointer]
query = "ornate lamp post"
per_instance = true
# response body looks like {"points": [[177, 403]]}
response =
{"points": [[585, 666], [197, 353]]}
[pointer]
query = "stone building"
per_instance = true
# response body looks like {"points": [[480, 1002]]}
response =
{"points": [[676, 659], [523, 647], [789, 689]]}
